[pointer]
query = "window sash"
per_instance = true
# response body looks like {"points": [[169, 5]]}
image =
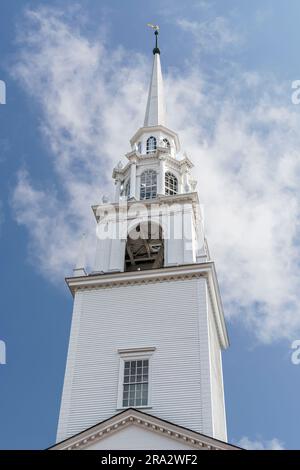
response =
{"points": [[135, 390], [148, 188], [171, 184]]}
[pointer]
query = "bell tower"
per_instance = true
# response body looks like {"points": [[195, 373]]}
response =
{"points": [[148, 325]]}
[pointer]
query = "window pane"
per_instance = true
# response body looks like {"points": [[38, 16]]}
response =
{"points": [[148, 188], [135, 383], [151, 145], [171, 184]]}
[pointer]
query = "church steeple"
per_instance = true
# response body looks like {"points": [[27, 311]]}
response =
{"points": [[148, 324], [155, 111]]}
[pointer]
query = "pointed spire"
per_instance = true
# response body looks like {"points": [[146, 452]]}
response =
{"points": [[155, 111]]}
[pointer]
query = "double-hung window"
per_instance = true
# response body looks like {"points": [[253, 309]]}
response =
{"points": [[136, 383], [135, 378]]}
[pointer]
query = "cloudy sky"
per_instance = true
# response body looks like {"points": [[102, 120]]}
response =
{"points": [[77, 77]]}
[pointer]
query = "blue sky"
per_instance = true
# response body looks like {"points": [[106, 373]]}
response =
{"points": [[76, 79]]}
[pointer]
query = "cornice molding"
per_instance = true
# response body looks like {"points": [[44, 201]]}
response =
{"points": [[143, 159], [144, 421], [123, 206], [136, 350], [191, 197]]}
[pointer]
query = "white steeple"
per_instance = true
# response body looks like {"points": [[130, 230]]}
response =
{"points": [[156, 111], [148, 325]]}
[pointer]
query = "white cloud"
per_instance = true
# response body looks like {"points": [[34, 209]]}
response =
{"points": [[90, 100], [241, 133], [211, 35], [273, 444]]}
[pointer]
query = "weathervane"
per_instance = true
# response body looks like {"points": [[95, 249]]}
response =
{"points": [[155, 27]]}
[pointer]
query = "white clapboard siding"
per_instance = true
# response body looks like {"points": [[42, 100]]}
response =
{"points": [[171, 316]]}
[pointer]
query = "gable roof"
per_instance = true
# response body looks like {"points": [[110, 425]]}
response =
{"points": [[132, 416]]}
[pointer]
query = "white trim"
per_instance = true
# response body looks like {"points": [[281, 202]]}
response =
{"points": [[145, 421], [136, 350], [176, 198], [134, 354]]}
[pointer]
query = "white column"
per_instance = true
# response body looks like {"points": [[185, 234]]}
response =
{"points": [[161, 179], [133, 179], [189, 254], [185, 181]]}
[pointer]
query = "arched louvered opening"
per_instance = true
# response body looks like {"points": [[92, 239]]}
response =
{"points": [[151, 145], [144, 247]]}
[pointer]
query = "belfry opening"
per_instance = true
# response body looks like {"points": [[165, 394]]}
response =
{"points": [[144, 247]]}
